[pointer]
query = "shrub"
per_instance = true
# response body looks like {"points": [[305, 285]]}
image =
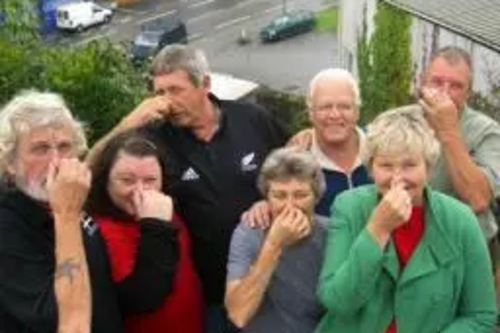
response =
{"points": [[288, 109], [97, 80]]}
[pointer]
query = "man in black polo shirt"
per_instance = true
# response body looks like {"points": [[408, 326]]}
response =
{"points": [[54, 273], [215, 149]]}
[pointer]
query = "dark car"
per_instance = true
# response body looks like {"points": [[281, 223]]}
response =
{"points": [[288, 25], [149, 42]]}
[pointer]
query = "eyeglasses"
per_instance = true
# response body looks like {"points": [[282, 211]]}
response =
{"points": [[327, 108]]}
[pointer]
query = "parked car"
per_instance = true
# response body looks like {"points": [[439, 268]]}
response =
{"points": [[78, 16], [288, 25], [149, 42]]}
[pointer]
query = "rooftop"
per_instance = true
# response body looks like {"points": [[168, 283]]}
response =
{"points": [[478, 20]]}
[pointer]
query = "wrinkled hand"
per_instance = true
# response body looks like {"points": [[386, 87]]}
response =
{"points": [[303, 139], [393, 210], [153, 204], [68, 183], [440, 111], [258, 216], [289, 227], [153, 108]]}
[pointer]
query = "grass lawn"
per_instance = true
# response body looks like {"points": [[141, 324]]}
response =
{"points": [[326, 20]]}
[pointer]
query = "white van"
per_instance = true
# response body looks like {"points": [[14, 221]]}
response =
{"points": [[80, 15]]}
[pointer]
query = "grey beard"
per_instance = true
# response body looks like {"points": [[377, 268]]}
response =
{"points": [[34, 190]]}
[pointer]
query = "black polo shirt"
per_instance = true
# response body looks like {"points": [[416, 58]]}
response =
{"points": [[27, 262], [214, 183]]}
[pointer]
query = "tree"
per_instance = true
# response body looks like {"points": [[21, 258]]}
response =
{"points": [[488, 103], [97, 80], [19, 20], [384, 62]]}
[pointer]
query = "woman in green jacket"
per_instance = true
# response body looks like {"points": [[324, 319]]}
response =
{"points": [[400, 256]]}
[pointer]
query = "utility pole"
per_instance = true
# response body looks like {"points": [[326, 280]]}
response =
{"points": [[284, 7]]}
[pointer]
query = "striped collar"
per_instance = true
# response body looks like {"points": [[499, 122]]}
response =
{"points": [[327, 163]]}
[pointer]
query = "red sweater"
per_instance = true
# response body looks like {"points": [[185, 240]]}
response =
{"points": [[406, 238], [182, 310]]}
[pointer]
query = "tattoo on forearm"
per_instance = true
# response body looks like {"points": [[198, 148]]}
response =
{"points": [[67, 269]]}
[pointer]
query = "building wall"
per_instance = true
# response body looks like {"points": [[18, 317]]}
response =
{"points": [[351, 15], [426, 37]]}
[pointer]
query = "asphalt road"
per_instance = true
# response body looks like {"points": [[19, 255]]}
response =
{"points": [[215, 25], [285, 66], [202, 17]]}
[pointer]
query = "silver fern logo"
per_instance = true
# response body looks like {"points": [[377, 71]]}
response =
{"points": [[248, 162]]}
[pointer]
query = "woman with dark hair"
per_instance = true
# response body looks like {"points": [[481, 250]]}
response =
{"points": [[147, 243]]}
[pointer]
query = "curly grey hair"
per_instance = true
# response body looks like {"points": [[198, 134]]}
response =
{"points": [[291, 163], [29, 110]]}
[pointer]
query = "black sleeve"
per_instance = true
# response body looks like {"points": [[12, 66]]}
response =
{"points": [[151, 280], [27, 295]]}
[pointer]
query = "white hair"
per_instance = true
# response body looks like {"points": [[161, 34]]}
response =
{"points": [[336, 74], [32, 109]]}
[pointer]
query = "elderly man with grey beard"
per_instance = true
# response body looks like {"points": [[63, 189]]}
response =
{"points": [[54, 274]]}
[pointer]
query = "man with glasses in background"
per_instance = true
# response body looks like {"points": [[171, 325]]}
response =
{"points": [[335, 140]]}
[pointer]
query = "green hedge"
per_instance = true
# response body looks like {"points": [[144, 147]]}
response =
{"points": [[288, 109], [97, 80]]}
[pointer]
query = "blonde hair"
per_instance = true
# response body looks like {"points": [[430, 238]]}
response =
{"points": [[398, 130]]}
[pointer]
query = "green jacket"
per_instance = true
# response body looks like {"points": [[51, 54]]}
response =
{"points": [[446, 287]]}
